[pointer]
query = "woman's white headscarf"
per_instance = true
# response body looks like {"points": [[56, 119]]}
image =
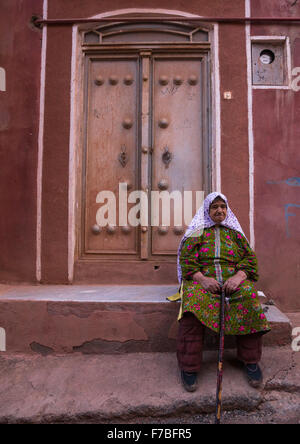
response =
{"points": [[202, 220]]}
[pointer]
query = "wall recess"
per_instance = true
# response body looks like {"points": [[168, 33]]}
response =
{"points": [[269, 63]]}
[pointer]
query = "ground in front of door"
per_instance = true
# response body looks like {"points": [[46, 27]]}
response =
{"points": [[144, 388]]}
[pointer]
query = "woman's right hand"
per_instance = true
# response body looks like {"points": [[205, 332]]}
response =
{"points": [[209, 284]]}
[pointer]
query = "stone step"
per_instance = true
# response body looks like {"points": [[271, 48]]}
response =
{"points": [[95, 319], [141, 387]]}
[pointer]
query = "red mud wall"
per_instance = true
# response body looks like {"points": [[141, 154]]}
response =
{"points": [[20, 55], [234, 117], [20, 52], [277, 169], [276, 117]]}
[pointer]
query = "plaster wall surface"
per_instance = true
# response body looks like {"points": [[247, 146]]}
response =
{"points": [[20, 57], [275, 139], [276, 116]]}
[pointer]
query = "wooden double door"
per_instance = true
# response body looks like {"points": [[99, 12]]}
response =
{"points": [[147, 151]]}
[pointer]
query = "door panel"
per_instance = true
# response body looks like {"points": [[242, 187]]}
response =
{"points": [[146, 125], [177, 159], [111, 152]]}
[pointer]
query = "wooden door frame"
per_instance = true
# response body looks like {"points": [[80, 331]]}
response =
{"points": [[93, 268]]}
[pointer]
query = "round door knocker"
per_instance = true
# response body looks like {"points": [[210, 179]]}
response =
{"points": [[128, 80], [99, 80], [178, 230], [177, 80], [113, 80], [163, 230], [126, 229], [193, 80], [111, 229], [163, 184], [127, 123], [96, 229], [163, 80], [163, 123]]}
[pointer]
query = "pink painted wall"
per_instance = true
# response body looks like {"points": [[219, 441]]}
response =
{"points": [[20, 56], [276, 135], [277, 161], [234, 118]]}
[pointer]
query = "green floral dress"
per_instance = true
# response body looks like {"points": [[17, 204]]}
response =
{"points": [[219, 253]]}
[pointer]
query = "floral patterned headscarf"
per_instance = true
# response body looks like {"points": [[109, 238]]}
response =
{"points": [[202, 220]]}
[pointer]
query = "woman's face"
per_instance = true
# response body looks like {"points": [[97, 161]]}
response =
{"points": [[218, 211]]}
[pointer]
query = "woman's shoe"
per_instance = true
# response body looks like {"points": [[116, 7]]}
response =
{"points": [[189, 381], [254, 375]]}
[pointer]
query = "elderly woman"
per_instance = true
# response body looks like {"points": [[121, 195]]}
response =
{"points": [[215, 254]]}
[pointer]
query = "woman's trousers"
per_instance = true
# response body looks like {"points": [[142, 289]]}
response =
{"points": [[190, 344]]}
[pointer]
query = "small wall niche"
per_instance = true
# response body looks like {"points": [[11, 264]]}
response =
{"points": [[269, 62]]}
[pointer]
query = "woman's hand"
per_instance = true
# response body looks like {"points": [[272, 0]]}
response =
{"points": [[233, 282], [209, 284]]}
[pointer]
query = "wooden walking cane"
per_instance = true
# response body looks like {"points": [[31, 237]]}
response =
{"points": [[220, 360]]}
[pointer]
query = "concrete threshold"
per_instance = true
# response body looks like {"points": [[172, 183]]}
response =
{"points": [[89, 293], [91, 319]]}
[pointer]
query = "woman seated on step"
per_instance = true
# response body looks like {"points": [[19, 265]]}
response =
{"points": [[215, 254]]}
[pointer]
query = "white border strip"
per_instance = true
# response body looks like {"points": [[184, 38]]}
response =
{"points": [[270, 87], [170, 12], [217, 110], [41, 146], [2, 80], [289, 61], [269, 38], [2, 339], [72, 160], [250, 125]]}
